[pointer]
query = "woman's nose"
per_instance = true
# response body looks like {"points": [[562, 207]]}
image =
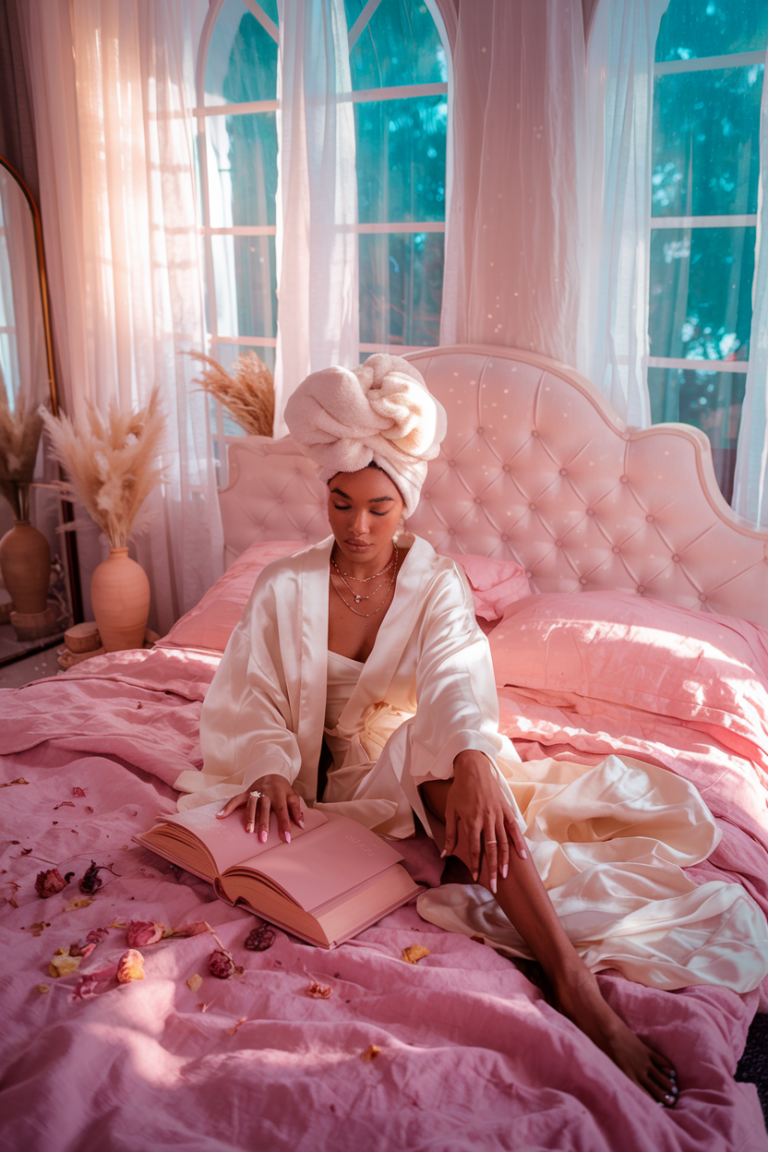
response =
{"points": [[360, 522]]}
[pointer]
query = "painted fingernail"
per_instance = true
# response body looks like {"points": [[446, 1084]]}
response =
{"points": [[301, 823], [250, 828], [493, 885], [523, 854], [673, 1089], [444, 853], [474, 877], [660, 1103], [669, 1099], [504, 871], [263, 835], [287, 837]]}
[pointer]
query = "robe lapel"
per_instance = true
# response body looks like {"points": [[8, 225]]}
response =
{"points": [[312, 612]]}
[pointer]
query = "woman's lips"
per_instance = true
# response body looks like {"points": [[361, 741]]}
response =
{"points": [[356, 545]]}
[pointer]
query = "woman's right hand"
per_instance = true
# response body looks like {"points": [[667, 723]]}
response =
{"points": [[275, 793]]}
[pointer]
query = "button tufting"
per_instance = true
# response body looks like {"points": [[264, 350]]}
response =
{"points": [[676, 558], [702, 597], [451, 531], [478, 500], [451, 463], [529, 575], [280, 500], [649, 519], [563, 471], [641, 588], [617, 550], [625, 479], [535, 434], [480, 431], [427, 495], [590, 511], [558, 543], [582, 580], [504, 536], [532, 507], [506, 468]]}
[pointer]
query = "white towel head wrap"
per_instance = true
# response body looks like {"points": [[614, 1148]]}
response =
{"points": [[382, 412]]}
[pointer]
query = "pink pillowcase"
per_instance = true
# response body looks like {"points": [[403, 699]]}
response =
{"points": [[495, 584], [708, 671]]}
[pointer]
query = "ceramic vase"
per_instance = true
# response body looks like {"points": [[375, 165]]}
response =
{"points": [[25, 561], [120, 601]]}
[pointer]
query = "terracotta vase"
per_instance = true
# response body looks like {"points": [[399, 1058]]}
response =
{"points": [[25, 561], [120, 601]]}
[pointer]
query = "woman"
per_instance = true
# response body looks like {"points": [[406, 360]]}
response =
{"points": [[343, 641]]}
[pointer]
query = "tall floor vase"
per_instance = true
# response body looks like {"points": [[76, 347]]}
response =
{"points": [[25, 562], [120, 601]]}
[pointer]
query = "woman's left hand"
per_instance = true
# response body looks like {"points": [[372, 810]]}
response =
{"points": [[476, 801]]}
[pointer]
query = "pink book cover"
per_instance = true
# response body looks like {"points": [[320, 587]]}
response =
{"points": [[312, 870]]}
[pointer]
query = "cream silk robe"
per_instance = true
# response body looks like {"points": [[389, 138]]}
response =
{"points": [[609, 842]]}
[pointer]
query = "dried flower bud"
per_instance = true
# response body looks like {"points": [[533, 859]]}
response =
{"points": [[140, 933], [222, 964], [82, 948], [260, 939], [49, 883], [319, 991], [371, 1052], [91, 881], [415, 953], [130, 966]]}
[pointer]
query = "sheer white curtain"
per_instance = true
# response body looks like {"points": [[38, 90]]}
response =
{"points": [[512, 263], [750, 497], [317, 314], [113, 90], [616, 220]]}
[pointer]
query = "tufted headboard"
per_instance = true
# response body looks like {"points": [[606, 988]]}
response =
{"points": [[536, 466]]}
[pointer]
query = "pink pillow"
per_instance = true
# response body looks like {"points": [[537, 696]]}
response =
{"points": [[707, 670], [494, 583], [211, 622]]}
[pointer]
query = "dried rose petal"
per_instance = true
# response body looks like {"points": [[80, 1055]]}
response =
{"points": [[63, 964], [260, 939], [39, 927], [222, 964], [233, 1031], [94, 983], [78, 902], [49, 883], [130, 966], [371, 1052], [91, 881], [415, 953], [194, 982], [43, 988], [63, 804], [99, 935], [141, 933], [194, 929], [319, 991], [18, 780], [78, 792]]}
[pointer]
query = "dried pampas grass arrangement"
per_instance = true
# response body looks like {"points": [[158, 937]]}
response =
{"points": [[247, 392], [111, 463], [19, 438]]}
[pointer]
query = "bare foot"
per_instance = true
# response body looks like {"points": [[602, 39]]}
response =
{"points": [[578, 996]]}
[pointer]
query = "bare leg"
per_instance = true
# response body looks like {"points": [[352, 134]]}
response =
{"points": [[524, 900]]}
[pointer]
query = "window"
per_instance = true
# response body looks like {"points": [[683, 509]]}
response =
{"points": [[400, 93], [708, 82]]}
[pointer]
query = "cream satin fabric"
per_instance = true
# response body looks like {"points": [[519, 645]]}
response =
{"points": [[610, 841]]}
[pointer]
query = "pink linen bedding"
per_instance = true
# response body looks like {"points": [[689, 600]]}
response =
{"points": [[471, 1056]]}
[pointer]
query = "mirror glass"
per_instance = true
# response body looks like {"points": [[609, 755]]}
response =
{"points": [[31, 497]]}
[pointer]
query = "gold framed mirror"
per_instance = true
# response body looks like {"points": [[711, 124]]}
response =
{"points": [[32, 512]]}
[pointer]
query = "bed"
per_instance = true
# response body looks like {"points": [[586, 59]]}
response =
{"points": [[626, 610]]}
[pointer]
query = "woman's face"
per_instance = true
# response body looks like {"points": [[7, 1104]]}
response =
{"points": [[364, 509]]}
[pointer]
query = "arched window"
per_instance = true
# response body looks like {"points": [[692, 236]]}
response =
{"points": [[399, 71], [708, 82]]}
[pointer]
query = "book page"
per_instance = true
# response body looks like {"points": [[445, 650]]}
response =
{"points": [[227, 840], [338, 856]]}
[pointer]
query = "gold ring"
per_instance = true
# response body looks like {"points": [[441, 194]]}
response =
{"points": [[487, 841]]}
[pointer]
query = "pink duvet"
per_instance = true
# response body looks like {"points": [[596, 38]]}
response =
{"points": [[470, 1055]]}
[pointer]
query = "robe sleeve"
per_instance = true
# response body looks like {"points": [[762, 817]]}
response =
{"points": [[457, 705], [247, 729]]}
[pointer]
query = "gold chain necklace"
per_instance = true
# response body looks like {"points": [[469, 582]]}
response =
{"points": [[358, 598]]}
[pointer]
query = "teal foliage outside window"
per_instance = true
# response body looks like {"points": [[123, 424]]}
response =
{"points": [[401, 159], [700, 28], [399, 45], [706, 162]]}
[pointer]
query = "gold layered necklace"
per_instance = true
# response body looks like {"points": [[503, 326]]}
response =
{"points": [[358, 596]]}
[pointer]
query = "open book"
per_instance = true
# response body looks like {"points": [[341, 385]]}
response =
{"points": [[333, 880]]}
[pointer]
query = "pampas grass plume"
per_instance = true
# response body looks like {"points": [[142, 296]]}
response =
{"points": [[247, 392], [19, 439], [111, 462]]}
